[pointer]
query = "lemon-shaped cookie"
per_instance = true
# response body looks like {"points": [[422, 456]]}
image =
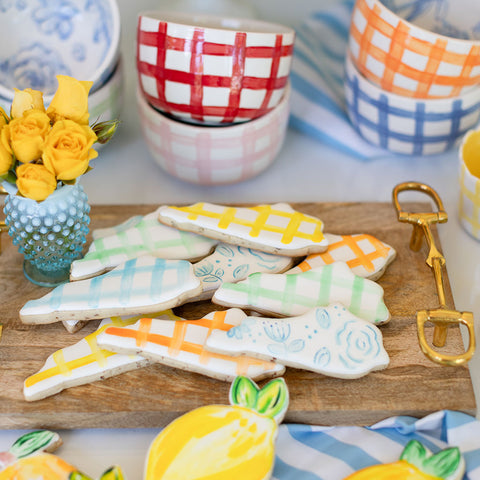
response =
{"points": [[214, 442]]}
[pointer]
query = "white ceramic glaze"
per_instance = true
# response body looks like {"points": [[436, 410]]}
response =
{"points": [[331, 341], [45, 39], [419, 48], [146, 237], [210, 155], [407, 125], [212, 69], [277, 228], [284, 294], [180, 343]]}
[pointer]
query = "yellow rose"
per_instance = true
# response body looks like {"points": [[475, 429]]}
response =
{"points": [[35, 181], [3, 117], [26, 135], [70, 100], [68, 149], [6, 159], [27, 99]]}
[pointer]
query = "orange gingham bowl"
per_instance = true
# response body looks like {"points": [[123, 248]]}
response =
{"points": [[406, 59]]}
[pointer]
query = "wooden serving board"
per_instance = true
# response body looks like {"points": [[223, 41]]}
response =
{"points": [[155, 395]]}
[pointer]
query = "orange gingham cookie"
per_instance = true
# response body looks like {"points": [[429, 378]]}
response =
{"points": [[277, 229], [181, 344], [366, 256], [408, 60]]}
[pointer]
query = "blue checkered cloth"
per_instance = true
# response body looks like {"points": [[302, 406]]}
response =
{"points": [[332, 453], [319, 102]]}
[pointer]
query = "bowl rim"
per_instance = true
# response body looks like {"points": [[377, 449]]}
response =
{"points": [[191, 127], [109, 62], [474, 92], [422, 29], [191, 20]]}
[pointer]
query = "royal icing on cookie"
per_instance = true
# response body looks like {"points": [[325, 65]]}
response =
{"points": [[366, 256], [28, 459], [139, 286], [417, 463], [275, 228], [231, 263], [148, 236], [220, 441], [121, 227], [293, 294], [330, 341], [181, 343], [82, 363]]}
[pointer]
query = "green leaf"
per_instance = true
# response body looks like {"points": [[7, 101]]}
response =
{"points": [[38, 441], [113, 473], [414, 453], [76, 475], [444, 463], [243, 393], [273, 400]]}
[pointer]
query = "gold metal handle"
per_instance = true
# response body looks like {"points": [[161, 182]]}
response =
{"points": [[3, 226], [442, 318]]}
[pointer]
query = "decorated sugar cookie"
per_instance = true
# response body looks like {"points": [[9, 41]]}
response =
{"points": [[181, 344], [223, 442], [366, 256], [417, 463], [294, 294], [277, 229], [231, 263], [148, 236], [329, 340], [28, 459], [139, 286], [119, 228], [83, 362]]}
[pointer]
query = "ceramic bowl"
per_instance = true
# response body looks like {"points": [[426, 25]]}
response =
{"points": [[214, 155], [407, 125], [212, 70], [103, 104], [79, 39], [469, 178], [420, 48]]}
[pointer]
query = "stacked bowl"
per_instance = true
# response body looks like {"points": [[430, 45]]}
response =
{"points": [[412, 80], [213, 93], [46, 39]]}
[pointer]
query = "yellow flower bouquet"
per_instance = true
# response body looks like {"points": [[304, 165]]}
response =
{"points": [[41, 149]]}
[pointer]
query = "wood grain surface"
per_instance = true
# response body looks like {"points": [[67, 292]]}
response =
{"points": [[155, 395]]}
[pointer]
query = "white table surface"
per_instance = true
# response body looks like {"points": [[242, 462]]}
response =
{"points": [[305, 170]]}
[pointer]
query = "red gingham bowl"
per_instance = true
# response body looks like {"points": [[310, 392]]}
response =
{"points": [[210, 70]]}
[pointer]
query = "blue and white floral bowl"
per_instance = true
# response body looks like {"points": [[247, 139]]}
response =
{"points": [[45, 38]]}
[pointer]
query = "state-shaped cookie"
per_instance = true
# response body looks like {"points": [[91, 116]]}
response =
{"points": [[285, 294], [366, 256], [327, 340], [135, 238], [181, 343], [277, 228], [231, 263], [82, 363], [139, 286]]}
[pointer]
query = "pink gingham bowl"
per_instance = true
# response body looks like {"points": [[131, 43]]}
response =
{"points": [[214, 155], [421, 49], [212, 70]]}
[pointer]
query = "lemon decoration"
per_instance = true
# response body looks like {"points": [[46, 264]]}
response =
{"points": [[29, 459], [417, 463], [218, 442]]}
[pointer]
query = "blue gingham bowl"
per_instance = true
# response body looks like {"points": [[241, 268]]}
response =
{"points": [[45, 38], [407, 125]]}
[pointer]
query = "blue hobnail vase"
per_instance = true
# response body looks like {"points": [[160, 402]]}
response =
{"points": [[50, 234]]}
